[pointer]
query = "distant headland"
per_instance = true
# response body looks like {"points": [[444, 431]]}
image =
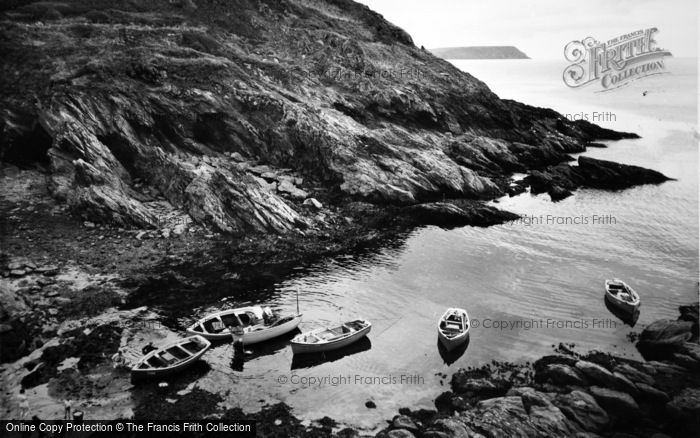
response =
{"points": [[479, 52]]}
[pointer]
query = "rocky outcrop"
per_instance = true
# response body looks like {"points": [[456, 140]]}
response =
{"points": [[448, 214], [561, 179], [673, 340], [570, 395], [190, 105]]}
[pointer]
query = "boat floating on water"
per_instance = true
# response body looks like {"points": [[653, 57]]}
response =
{"points": [[259, 324], [453, 328], [333, 338], [170, 358], [621, 295]]}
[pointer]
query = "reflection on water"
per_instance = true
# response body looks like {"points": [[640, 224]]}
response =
{"points": [[629, 318], [450, 357], [314, 359]]}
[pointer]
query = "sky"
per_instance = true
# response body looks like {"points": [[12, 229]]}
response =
{"points": [[541, 28]]}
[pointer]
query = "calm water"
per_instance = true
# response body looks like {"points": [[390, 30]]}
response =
{"points": [[522, 274]]}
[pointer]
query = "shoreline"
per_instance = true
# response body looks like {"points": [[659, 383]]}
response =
{"points": [[76, 369]]}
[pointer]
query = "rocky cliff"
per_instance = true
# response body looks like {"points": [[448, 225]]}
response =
{"points": [[235, 112]]}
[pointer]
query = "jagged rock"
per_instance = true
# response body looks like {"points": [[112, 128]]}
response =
{"points": [[404, 422], [689, 313], [557, 193], [450, 215], [609, 175], [688, 356], [478, 388], [624, 384], [651, 394], [287, 186], [596, 374], [664, 338], [582, 408], [559, 180], [635, 375], [667, 331], [451, 428], [615, 402], [561, 374], [507, 416]]}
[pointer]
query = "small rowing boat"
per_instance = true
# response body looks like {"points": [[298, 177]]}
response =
{"points": [[333, 338], [170, 358], [258, 324], [621, 295], [453, 328]]}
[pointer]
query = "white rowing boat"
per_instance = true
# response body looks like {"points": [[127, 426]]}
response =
{"points": [[170, 358], [333, 338], [621, 295], [453, 328], [258, 324]]}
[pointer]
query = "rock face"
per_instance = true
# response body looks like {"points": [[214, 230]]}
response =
{"points": [[190, 98], [559, 180], [673, 340]]}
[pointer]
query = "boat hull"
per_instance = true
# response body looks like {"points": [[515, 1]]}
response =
{"points": [[250, 337], [305, 348], [625, 306], [150, 373], [454, 342]]}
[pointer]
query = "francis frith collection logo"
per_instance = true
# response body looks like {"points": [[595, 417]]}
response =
{"points": [[616, 62]]}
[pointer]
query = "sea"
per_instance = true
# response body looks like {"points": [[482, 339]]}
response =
{"points": [[528, 285]]}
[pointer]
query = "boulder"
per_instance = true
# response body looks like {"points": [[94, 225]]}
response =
{"points": [[313, 203], [561, 374], [400, 433], [667, 330], [616, 403], [404, 422], [664, 338], [635, 375], [624, 384], [689, 313], [450, 428], [479, 388], [582, 408], [557, 193], [288, 187], [596, 374]]}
